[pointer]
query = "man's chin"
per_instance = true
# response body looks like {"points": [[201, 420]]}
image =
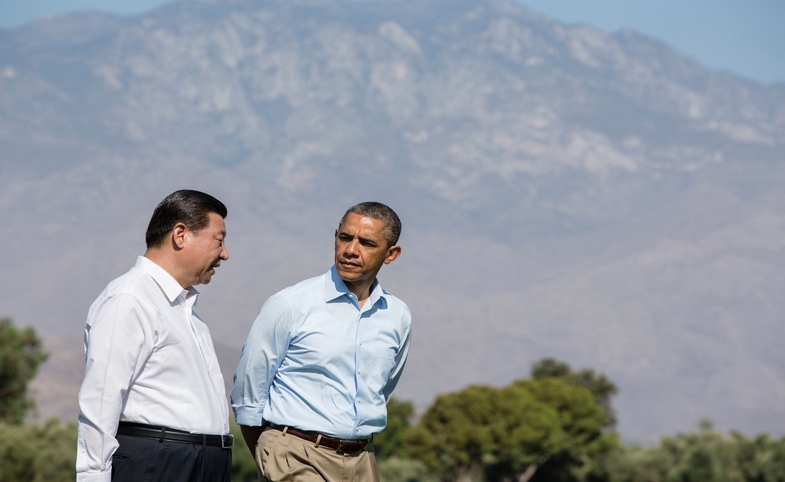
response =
{"points": [[348, 275]]}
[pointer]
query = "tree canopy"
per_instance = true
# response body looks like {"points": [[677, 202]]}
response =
{"points": [[390, 442], [597, 383], [21, 352], [508, 433]]}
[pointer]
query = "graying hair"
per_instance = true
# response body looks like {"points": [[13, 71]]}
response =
{"points": [[375, 210]]}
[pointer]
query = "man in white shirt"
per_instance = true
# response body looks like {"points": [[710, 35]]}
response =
{"points": [[153, 405]]}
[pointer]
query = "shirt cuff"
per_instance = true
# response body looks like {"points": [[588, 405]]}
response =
{"points": [[248, 415], [94, 476]]}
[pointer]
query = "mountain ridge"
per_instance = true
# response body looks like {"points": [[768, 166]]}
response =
{"points": [[565, 192]]}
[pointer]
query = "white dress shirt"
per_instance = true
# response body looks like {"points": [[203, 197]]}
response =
{"points": [[149, 359], [316, 361]]}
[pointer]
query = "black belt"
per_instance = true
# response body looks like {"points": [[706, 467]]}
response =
{"points": [[342, 446], [162, 434]]}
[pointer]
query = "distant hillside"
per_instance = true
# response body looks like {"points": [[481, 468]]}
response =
{"points": [[597, 198]]}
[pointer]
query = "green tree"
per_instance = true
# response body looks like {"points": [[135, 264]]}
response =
{"points": [[767, 462], [597, 383], [465, 433], [582, 421], [705, 456], [38, 453], [511, 433], [21, 352], [389, 442]]}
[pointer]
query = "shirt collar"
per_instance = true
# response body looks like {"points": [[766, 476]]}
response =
{"points": [[335, 288], [166, 282]]}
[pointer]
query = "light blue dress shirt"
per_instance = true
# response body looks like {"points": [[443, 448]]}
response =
{"points": [[316, 361]]}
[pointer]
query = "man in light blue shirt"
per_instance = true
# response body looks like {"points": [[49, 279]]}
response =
{"points": [[322, 359]]}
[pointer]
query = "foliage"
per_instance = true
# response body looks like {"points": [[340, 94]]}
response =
{"points": [[390, 441], [395, 469], [549, 428], [509, 432], [553, 427], [243, 463], [20, 354], [582, 421], [598, 384], [38, 453], [705, 456]]}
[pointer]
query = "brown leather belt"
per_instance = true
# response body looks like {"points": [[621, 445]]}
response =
{"points": [[341, 446]]}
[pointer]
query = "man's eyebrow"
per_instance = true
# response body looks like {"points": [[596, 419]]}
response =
{"points": [[362, 239]]}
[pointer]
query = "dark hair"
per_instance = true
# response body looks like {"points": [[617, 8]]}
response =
{"points": [[374, 210], [191, 208]]}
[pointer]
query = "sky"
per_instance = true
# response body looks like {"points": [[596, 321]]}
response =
{"points": [[746, 37]]}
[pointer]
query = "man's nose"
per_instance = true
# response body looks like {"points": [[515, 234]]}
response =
{"points": [[224, 252], [350, 248]]}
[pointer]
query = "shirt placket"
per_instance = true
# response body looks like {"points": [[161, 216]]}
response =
{"points": [[357, 369], [360, 369], [188, 305]]}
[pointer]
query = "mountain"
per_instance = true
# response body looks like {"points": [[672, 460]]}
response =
{"points": [[565, 192]]}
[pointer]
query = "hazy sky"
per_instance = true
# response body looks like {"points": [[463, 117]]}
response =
{"points": [[744, 36]]}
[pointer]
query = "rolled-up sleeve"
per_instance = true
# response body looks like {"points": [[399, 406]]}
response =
{"points": [[119, 337], [263, 353]]}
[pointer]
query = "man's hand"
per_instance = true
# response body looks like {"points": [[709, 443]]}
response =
{"points": [[251, 436]]}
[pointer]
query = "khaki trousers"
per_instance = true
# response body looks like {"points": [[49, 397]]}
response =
{"points": [[287, 458]]}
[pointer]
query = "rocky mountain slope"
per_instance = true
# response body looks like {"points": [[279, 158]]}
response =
{"points": [[598, 198]]}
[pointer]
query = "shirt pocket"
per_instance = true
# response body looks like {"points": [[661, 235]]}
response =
{"points": [[383, 366]]}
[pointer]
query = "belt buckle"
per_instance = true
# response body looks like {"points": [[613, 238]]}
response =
{"points": [[227, 438], [340, 450]]}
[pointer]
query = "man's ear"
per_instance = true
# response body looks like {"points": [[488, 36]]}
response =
{"points": [[392, 254], [178, 235]]}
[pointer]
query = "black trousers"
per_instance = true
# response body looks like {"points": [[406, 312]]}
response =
{"points": [[147, 460]]}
